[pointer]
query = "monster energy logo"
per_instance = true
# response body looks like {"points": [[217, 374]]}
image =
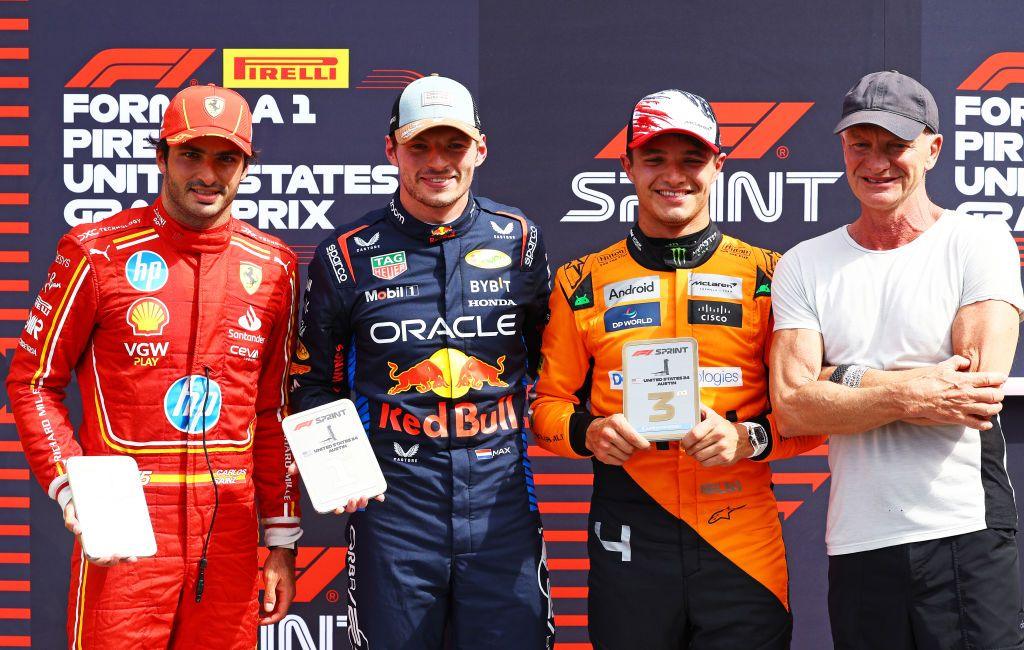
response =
{"points": [[676, 255]]}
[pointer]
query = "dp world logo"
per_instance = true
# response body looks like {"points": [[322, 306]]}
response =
{"points": [[146, 271], [183, 404]]}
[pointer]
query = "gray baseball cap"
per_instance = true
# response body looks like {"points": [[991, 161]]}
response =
{"points": [[434, 101], [892, 101]]}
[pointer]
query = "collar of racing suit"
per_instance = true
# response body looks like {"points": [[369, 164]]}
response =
{"points": [[189, 240], [670, 254], [431, 233]]}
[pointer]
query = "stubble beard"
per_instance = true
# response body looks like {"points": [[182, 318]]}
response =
{"points": [[191, 216], [431, 200]]}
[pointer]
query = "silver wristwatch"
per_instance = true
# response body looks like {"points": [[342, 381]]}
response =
{"points": [[758, 437]]}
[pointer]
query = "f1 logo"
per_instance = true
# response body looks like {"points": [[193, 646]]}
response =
{"points": [[996, 72], [749, 128], [169, 67]]}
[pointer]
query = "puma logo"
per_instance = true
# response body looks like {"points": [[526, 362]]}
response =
{"points": [[96, 251]]}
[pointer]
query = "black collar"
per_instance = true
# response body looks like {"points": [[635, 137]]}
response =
{"points": [[670, 254], [429, 232]]}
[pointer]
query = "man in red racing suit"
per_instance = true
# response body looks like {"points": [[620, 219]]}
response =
{"points": [[684, 537], [177, 320]]}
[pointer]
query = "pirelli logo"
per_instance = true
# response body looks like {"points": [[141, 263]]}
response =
{"points": [[303, 68]]}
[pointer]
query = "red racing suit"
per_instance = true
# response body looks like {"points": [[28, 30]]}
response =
{"points": [[718, 292], [170, 332]]}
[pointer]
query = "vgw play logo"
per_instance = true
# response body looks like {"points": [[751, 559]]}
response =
{"points": [[750, 131]]}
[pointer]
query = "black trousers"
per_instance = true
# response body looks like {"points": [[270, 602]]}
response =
{"points": [[955, 592], [655, 584]]}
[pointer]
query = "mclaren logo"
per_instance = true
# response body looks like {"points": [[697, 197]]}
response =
{"points": [[293, 68]]}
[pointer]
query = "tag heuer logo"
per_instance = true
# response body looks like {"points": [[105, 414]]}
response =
{"points": [[388, 266], [251, 276], [214, 105]]}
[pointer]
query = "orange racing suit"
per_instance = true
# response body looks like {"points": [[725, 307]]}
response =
{"points": [[717, 290]]}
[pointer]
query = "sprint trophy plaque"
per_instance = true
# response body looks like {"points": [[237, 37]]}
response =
{"points": [[660, 395]]}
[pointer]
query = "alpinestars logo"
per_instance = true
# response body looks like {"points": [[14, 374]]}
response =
{"points": [[749, 131]]}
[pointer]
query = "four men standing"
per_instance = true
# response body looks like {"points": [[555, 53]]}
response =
{"points": [[894, 335]]}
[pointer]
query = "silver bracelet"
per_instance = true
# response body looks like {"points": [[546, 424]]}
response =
{"points": [[853, 376], [837, 375]]}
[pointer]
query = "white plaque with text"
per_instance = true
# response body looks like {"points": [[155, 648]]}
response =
{"points": [[661, 396], [334, 455]]}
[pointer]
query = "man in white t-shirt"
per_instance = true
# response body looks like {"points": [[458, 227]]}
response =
{"points": [[894, 335]]}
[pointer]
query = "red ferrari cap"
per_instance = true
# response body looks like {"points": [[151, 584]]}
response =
{"points": [[208, 110]]}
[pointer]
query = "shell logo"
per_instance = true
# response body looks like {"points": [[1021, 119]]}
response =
{"points": [[148, 317]]}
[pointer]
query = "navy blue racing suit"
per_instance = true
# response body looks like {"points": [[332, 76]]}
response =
{"points": [[432, 332]]}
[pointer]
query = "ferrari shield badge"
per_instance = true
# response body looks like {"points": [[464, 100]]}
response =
{"points": [[214, 105], [251, 276]]}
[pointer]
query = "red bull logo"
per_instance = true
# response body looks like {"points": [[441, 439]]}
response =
{"points": [[441, 233], [436, 374], [469, 419], [423, 376], [475, 373]]}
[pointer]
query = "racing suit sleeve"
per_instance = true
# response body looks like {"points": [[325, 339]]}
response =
{"points": [[560, 424], [277, 493], [537, 309], [779, 447], [319, 371], [56, 334]]}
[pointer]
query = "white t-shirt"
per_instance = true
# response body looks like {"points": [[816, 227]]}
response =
{"points": [[894, 310]]}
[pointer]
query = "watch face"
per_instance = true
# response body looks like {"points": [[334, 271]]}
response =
{"points": [[760, 434]]}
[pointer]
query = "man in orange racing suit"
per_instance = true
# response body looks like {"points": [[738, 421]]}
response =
{"points": [[684, 538]]}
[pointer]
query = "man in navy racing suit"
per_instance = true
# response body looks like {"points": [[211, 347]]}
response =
{"points": [[428, 314]]}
